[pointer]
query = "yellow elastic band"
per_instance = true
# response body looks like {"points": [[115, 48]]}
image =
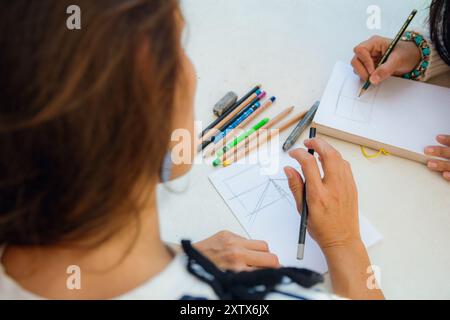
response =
{"points": [[376, 155]]}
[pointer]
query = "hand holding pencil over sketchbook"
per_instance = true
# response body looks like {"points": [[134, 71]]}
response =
{"points": [[393, 116]]}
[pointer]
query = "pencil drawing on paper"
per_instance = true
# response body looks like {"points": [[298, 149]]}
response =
{"points": [[257, 195], [350, 107]]}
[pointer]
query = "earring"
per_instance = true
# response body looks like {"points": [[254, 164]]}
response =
{"points": [[166, 168]]}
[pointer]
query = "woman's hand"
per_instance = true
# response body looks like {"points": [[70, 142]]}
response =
{"points": [[332, 201], [405, 58], [333, 217], [232, 252], [442, 151]]}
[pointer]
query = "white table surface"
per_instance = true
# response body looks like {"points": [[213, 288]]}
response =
{"points": [[290, 46]]}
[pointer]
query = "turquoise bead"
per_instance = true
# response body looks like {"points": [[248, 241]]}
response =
{"points": [[407, 76], [425, 64], [426, 51], [418, 40]]}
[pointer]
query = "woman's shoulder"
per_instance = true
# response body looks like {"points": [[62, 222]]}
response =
{"points": [[179, 281], [9, 289], [185, 278], [173, 283]]}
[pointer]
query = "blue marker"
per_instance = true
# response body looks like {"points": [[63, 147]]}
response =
{"points": [[238, 121]]}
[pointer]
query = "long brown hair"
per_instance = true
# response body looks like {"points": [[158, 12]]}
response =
{"points": [[84, 114]]}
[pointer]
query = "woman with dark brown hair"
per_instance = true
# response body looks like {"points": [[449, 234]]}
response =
{"points": [[416, 58], [86, 118]]}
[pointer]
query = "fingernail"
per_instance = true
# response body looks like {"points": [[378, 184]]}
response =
{"points": [[447, 175], [429, 150], [441, 137], [288, 173], [432, 165], [375, 79]]}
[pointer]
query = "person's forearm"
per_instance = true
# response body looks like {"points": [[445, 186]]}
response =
{"points": [[348, 266]]}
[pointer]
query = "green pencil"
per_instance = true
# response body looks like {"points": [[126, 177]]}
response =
{"points": [[238, 140]]}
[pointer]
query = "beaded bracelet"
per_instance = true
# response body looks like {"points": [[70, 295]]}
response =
{"points": [[422, 44]]}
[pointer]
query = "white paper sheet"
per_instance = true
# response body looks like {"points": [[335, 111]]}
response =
{"points": [[265, 207], [401, 113]]}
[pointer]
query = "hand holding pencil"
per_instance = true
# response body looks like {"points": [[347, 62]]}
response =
{"points": [[405, 57], [333, 220], [387, 54], [333, 216]]}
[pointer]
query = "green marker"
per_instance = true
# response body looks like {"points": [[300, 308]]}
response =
{"points": [[238, 140]]}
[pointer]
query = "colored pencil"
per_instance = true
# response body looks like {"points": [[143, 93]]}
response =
{"points": [[268, 126], [229, 116], [237, 122], [213, 148], [239, 114], [215, 123], [241, 138], [235, 115], [257, 143]]}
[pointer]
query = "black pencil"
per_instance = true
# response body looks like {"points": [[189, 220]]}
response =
{"points": [[207, 142], [390, 49], [237, 104], [304, 217]]}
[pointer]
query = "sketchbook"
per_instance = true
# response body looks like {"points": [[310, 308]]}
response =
{"points": [[263, 204], [401, 116]]}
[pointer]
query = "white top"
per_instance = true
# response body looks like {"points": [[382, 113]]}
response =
{"points": [[173, 283]]}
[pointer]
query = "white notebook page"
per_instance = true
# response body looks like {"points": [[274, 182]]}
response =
{"points": [[400, 113], [265, 207]]}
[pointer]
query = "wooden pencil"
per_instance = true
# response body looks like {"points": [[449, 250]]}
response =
{"points": [[213, 131], [213, 148], [268, 126], [259, 140], [293, 121], [237, 104]]}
